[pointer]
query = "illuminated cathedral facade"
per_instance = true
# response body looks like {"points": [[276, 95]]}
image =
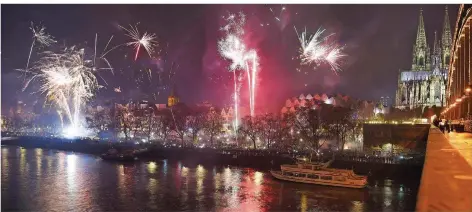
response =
{"points": [[424, 85]]}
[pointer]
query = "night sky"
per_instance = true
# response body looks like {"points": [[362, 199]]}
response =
{"points": [[378, 39]]}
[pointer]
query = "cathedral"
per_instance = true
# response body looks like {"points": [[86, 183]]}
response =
{"points": [[424, 85]]}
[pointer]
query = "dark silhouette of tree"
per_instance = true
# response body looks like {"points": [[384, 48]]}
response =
{"points": [[274, 129], [122, 120], [250, 128], [309, 123], [151, 122], [196, 122], [164, 123], [180, 113], [213, 124], [339, 121]]}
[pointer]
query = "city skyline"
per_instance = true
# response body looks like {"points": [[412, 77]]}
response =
{"points": [[374, 50]]}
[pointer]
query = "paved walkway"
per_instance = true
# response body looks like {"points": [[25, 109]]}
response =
{"points": [[463, 143], [446, 182]]}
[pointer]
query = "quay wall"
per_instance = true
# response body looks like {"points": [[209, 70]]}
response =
{"points": [[409, 135]]}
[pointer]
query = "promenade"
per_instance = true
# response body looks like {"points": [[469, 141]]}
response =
{"points": [[446, 182]]}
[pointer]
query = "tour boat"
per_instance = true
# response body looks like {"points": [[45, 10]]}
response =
{"points": [[319, 173]]}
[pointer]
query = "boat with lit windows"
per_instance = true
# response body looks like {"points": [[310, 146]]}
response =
{"points": [[319, 173]]}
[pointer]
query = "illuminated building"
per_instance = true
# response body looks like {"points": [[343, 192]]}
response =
{"points": [[365, 109], [385, 101], [424, 85], [173, 98]]}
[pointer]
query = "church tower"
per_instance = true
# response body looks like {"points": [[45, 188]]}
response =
{"points": [[173, 98], [446, 41], [421, 54], [436, 61], [424, 85]]}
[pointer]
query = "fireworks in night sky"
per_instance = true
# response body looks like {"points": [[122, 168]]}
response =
{"points": [[68, 81], [233, 48], [147, 40], [317, 49], [41, 37]]}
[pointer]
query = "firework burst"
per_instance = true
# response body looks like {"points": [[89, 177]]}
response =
{"points": [[147, 40], [41, 37], [233, 48], [278, 16], [68, 81], [317, 49]]}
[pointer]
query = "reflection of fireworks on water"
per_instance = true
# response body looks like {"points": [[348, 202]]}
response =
{"points": [[317, 49], [68, 80], [41, 37], [147, 40], [232, 47]]}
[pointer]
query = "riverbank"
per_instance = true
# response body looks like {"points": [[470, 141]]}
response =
{"points": [[264, 160]]}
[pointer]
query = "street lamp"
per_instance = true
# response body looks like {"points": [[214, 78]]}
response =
{"points": [[468, 89]]}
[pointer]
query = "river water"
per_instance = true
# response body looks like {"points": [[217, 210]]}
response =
{"points": [[50, 180]]}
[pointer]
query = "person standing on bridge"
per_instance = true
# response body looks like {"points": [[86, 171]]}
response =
{"points": [[442, 126], [436, 122], [447, 125]]}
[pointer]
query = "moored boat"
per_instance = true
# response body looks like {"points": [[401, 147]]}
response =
{"points": [[319, 173], [124, 156]]}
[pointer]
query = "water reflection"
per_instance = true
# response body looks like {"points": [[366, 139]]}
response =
{"points": [[303, 203], [357, 206], [39, 159], [23, 163], [152, 188], [71, 175], [164, 167], [121, 181], [5, 168], [80, 182], [200, 176]]}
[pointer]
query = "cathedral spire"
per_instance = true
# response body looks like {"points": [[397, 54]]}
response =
{"points": [[421, 54], [446, 34], [446, 40], [421, 34], [436, 47]]}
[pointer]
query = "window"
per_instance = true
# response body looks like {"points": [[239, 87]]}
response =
{"points": [[312, 176], [288, 174], [326, 178]]}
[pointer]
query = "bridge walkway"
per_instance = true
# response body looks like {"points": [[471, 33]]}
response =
{"points": [[446, 182]]}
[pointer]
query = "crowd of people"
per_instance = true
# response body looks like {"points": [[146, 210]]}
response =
{"points": [[443, 124]]}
